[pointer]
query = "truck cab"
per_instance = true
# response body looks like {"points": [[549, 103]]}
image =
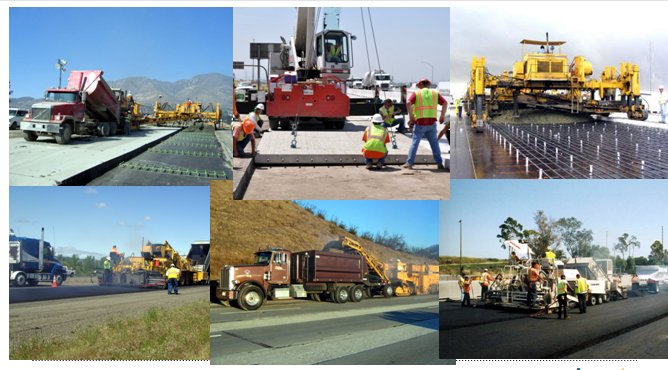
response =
{"points": [[334, 52]]}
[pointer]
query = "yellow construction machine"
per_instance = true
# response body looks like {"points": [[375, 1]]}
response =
{"points": [[406, 279], [545, 79], [185, 112]]}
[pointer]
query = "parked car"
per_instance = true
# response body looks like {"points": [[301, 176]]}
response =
{"points": [[15, 117]]}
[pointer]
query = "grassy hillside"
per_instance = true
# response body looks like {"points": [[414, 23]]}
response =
{"points": [[239, 228]]}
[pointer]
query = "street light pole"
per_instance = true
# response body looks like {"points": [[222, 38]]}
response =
{"points": [[460, 247], [432, 71]]}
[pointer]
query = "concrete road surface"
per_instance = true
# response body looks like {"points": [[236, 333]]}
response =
{"points": [[516, 335], [399, 330], [58, 318]]}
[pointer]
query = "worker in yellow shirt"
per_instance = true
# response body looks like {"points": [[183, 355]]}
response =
{"points": [[485, 281], [581, 289], [172, 275], [562, 296]]}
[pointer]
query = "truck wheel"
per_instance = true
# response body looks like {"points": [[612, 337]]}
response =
{"points": [[250, 298], [14, 126], [30, 135], [103, 129], [315, 297], [387, 291], [592, 300], [33, 282], [600, 299], [113, 128], [20, 279], [340, 294], [356, 293], [66, 135], [59, 280]]}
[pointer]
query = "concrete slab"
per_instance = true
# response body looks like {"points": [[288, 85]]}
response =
{"points": [[44, 162], [323, 147], [348, 182]]}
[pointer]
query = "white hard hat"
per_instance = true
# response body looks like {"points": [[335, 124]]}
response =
{"points": [[377, 118], [260, 106], [108, 258], [129, 93], [485, 270], [172, 265]]}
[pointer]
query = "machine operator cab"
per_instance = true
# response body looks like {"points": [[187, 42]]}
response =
{"points": [[334, 52]]}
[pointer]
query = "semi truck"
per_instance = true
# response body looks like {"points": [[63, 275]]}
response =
{"points": [[32, 261], [279, 273], [602, 288], [86, 106]]}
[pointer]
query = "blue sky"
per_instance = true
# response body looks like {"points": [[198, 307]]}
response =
{"points": [[637, 207], [167, 44], [416, 220], [401, 49], [95, 218]]}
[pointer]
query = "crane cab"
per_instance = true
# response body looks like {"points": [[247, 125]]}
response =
{"points": [[334, 53]]}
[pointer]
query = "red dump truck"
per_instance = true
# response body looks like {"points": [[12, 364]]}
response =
{"points": [[280, 274], [86, 106]]}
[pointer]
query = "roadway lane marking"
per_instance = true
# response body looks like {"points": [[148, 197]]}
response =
{"points": [[271, 321], [329, 348], [215, 336]]}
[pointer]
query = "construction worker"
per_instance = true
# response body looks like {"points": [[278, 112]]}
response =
{"points": [[467, 292], [422, 110], [581, 288], [663, 101], [334, 52], [514, 259], [388, 112], [461, 286], [242, 133], [375, 137], [562, 296], [254, 116], [106, 276], [635, 282], [534, 276], [458, 107], [485, 280], [172, 275]]}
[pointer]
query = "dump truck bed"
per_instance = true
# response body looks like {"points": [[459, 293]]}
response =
{"points": [[318, 267]]}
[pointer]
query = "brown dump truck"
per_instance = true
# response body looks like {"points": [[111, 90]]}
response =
{"points": [[280, 274]]}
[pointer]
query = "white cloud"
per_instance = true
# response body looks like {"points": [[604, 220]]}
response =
{"points": [[147, 218], [120, 223], [101, 205], [90, 191]]}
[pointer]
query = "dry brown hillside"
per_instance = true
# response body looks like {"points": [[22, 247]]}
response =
{"points": [[239, 228]]}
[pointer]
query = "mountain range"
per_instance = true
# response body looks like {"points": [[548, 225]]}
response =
{"points": [[205, 88]]}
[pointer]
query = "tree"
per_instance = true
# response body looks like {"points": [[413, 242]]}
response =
{"points": [[657, 255], [510, 230], [630, 265], [599, 252], [626, 243], [545, 235], [578, 241]]}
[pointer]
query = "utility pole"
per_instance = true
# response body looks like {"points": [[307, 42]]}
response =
{"points": [[460, 247]]}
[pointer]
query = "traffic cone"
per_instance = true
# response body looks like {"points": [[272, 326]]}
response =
{"points": [[53, 283]]}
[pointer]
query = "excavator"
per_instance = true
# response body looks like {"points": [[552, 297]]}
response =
{"points": [[544, 79]]}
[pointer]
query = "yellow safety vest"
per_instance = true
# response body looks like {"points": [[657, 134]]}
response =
{"points": [[375, 139], [387, 112], [457, 102], [562, 287], [550, 255], [173, 273], [107, 265], [334, 51], [581, 286], [426, 104], [242, 135]]}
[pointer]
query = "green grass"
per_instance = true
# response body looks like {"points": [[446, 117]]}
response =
{"points": [[180, 333]]}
